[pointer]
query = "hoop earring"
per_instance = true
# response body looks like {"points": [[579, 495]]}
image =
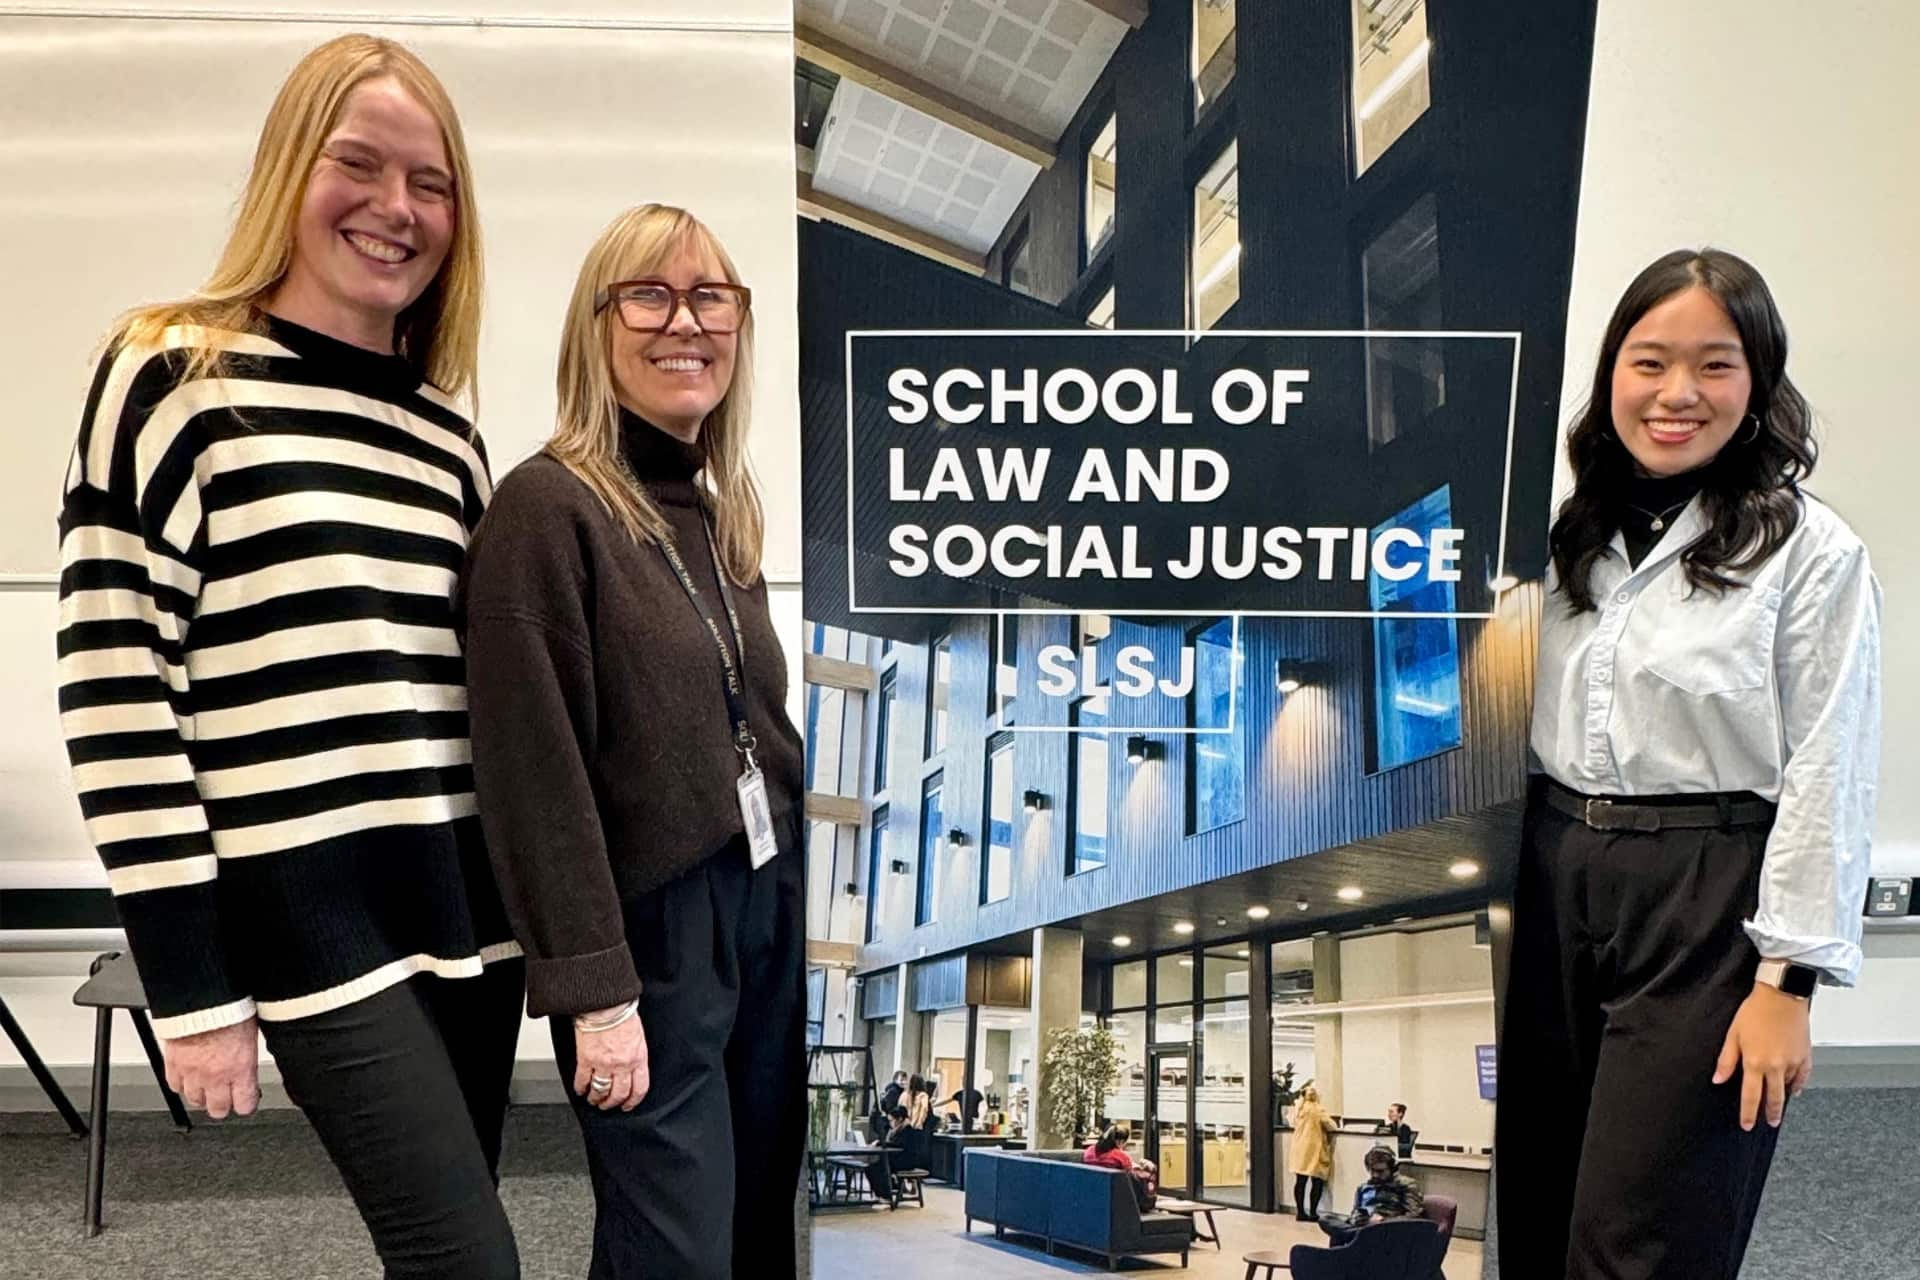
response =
{"points": [[1754, 434]]}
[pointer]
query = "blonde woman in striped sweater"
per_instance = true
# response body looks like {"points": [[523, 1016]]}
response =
{"points": [[261, 690]]}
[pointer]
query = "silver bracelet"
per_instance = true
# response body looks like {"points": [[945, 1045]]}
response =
{"points": [[583, 1022]]}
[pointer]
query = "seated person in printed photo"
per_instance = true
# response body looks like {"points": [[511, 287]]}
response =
{"points": [[1387, 1193], [1111, 1150]]}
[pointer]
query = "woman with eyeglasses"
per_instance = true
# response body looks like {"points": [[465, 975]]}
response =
{"points": [[638, 777]]}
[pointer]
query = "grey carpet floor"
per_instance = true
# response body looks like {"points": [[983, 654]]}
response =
{"points": [[258, 1200], [1843, 1199]]}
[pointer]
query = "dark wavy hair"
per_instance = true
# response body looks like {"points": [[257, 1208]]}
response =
{"points": [[1749, 493], [1115, 1136]]}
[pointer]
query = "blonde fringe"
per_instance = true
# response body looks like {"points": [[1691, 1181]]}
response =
{"points": [[586, 437]]}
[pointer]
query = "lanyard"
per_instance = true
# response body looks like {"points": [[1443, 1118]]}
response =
{"points": [[743, 739]]}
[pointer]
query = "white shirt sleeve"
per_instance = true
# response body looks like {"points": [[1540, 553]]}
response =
{"points": [[1813, 881]]}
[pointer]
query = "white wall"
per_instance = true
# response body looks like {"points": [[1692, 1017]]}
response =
{"points": [[1786, 134], [123, 144], [1423, 1057]]}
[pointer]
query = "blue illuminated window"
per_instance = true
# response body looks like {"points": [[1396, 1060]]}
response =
{"points": [[1416, 661], [1217, 778], [996, 854], [933, 841], [1088, 758], [876, 869]]}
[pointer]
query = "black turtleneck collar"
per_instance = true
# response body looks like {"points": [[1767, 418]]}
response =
{"points": [[343, 363], [666, 466], [1651, 498]]}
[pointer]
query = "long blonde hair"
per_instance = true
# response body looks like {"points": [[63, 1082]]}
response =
{"points": [[440, 332], [586, 435]]}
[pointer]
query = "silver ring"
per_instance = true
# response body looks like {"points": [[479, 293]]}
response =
{"points": [[599, 1084]]}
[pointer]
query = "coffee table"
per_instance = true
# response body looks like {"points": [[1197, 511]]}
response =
{"points": [[1193, 1209], [1272, 1260]]}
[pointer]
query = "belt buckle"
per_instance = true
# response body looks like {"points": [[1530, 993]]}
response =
{"points": [[1598, 814]]}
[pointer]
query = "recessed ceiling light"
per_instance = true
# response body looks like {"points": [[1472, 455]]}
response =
{"points": [[1122, 940], [1257, 913], [1243, 953], [1464, 870], [1183, 926], [1186, 962], [1301, 905], [1351, 893], [1402, 919]]}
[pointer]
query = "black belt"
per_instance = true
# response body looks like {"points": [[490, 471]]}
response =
{"points": [[1658, 813]]}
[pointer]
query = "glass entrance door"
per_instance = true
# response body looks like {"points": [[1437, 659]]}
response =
{"points": [[1169, 1124]]}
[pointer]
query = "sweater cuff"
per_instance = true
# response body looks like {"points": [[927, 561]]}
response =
{"points": [[578, 984], [197, 1021]]}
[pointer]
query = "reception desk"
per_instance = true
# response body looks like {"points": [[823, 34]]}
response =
{"points": [[1463, 1175], [947, 1154]]}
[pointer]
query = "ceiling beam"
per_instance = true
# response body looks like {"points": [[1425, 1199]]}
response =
{"points": [[1131, 12], [832, 955], [838, 673], [823, 51], [818, 204], [847, 811]]}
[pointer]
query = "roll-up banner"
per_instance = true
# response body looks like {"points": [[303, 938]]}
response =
{"points": [[1179, 389]]}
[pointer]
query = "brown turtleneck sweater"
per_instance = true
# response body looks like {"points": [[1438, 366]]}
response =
{"points": [[602, 754]]}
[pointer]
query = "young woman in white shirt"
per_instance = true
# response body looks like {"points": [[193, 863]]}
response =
{"points": [[1695, 851]]}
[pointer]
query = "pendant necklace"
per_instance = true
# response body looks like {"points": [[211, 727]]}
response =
{"points": [[1660, 517]]}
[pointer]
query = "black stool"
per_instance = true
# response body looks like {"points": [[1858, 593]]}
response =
{"points": [[48, 1085], [909, 1184], [115, 984]]}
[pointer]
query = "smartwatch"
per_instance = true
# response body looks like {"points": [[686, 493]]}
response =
{"points": [[1792, 979]]}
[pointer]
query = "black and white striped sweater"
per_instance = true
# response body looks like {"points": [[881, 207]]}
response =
{"points": [[260, 686]]}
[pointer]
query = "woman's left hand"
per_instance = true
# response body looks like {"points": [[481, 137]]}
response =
{"points": [[1771, 1044]]}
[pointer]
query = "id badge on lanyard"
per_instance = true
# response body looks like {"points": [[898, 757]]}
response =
{"points": [[756, 815]]}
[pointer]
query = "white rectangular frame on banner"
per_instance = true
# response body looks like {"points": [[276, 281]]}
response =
{"points": [[1191, 336]]}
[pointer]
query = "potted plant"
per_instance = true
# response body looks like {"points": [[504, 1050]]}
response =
{"points": [[1283, 1094], [1082, 1067], [832, 1113]]}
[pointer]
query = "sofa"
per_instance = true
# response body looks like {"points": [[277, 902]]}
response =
{"points": [[1058, 1197]]}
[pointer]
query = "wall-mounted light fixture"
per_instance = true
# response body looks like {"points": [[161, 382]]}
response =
{"points": [[1499, 580], [1141, 747], [1291, 674], [957, 838], [1035, 801]]}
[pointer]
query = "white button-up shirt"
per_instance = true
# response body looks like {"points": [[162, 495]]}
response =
{"points": [[1773, 688]]}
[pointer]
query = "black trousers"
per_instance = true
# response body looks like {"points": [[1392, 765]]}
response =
{"points": [[1618, 1158], [1306, 1204], [698, 1182], [408, 1092]]}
